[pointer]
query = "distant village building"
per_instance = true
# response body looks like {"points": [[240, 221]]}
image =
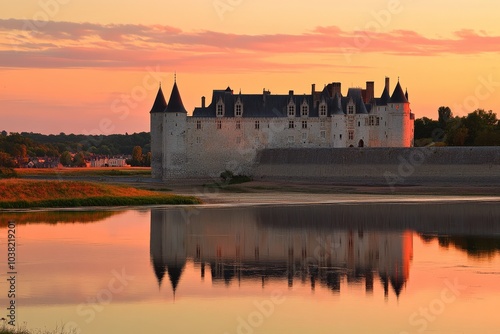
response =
{"points": [[227, 133], [42, 162], [103, 161]]}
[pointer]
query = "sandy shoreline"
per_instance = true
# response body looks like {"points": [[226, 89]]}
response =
{"points": [[255, 193]]}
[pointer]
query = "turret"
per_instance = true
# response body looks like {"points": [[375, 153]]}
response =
{"points": [[401, 128], [156, 123], [174, 136]]}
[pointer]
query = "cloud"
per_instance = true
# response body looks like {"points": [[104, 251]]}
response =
{"points": [[89, 45]]}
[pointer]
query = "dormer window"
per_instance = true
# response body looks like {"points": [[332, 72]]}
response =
{"points": [[322, 109], [291, 109], [304, 109], [350, 110], [238, 109], [220, 108]]}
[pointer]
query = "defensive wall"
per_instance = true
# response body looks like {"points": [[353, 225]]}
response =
{"points": [[381, 166]]}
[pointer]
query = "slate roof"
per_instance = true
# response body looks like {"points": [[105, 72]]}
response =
{"points": [[175, 102], [160, 104], [398, 96], [268, 105]]}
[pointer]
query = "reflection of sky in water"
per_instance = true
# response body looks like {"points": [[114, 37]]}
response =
{"points": [[350, 268]]}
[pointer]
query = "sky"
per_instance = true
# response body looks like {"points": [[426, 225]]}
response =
{"points": [[94, 67]]}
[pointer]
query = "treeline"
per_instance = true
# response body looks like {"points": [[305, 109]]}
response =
{"points": [[104, 145], [17, 149], [478, 128]]}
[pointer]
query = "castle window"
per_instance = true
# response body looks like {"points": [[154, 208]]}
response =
{"points": [[198, 140], [350, 121], [340, 136], [304, 124], [198, 125], [257, 125], [322, 124], [351, 135], [219, 124], [322, 134], [377, 121], [291, 110], [291, 124], [359, 123], [238, 125], [220, 109], [304, 136], [238, 109], [350, 110], [304, 109], [322, 109]]}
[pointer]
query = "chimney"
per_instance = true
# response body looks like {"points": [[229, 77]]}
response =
{"points": [[203, 102], [387, 84], [290, 92], [337, 88], [370, 91], [313, 89]]}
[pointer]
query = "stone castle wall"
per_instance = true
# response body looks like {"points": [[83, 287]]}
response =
{"points": [[384, 166], [212, 145]]}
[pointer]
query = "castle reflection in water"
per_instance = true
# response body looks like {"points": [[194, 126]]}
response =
{"points": [[269, 243], [319, 244]]}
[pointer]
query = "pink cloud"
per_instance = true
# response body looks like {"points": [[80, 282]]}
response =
{"points": [[54, 45]]}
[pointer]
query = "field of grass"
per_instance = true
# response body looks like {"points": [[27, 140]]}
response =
{"points": [[18, 193], [103, 171]]}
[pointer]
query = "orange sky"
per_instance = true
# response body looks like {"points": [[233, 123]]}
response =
{"points": [[94, 67]]}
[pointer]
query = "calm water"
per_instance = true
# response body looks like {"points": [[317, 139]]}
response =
{"points": [[384, 268]]}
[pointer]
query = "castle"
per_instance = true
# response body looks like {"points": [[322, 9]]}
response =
{"points": [[324, 246], [228, 133]]}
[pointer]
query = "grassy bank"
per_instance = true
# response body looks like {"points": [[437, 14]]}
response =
{"points": [[16, 193]]}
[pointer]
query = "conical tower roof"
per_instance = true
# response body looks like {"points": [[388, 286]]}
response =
{"points": [[398, 96], [160, 104], [175, 102], [159, 269], [384, 99], [174, 274]]}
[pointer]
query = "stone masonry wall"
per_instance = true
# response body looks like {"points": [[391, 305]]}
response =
{"points": [[382, 166]]}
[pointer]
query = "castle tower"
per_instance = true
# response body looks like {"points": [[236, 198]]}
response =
{"points": [[156, 123], [174, 136], [168, 246], [401, 124]]}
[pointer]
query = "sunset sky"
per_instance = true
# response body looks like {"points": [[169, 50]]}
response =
{"points": [[94, 66]]}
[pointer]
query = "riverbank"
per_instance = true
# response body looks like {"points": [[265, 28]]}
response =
{"points": [[18, 193]]}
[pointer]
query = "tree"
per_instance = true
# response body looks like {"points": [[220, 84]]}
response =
{"points": [[79, 160], [424, 127], [136, 156], [65, 159], [477, 122], [444, 114], [6, 160], [147, 160]]}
